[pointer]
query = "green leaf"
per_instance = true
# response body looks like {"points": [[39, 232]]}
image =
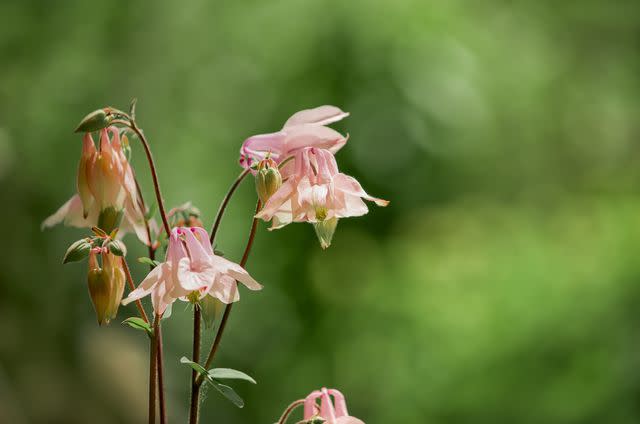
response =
{"points": [[152, 211], [229, 393], [230, 374], [199, 368], [148, 261], [138, 324]]}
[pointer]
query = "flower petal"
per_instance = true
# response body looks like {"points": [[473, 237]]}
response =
{"points": [[351, 186], [322, 115]]}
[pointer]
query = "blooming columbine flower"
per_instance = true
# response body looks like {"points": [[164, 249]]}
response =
{"points": [[106, 190], [331, 412], [303, 129], [318, 193], [191, 270]]}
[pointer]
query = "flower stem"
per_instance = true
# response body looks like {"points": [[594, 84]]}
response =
{"points": [[227, 309], [195, 389], [289, 410], [143, 207], [158, 332], [154, 175], [132, 286], [225, 202], [153, 374]]}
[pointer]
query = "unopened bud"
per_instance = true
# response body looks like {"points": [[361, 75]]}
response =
{"points": [[268, 179], [77, 251], [117, 248], [99, 291], [324, 231], [106, 285], [96, 120]]}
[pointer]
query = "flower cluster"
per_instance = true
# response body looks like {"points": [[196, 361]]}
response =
{"points": [[314, 191], [297, 180]]}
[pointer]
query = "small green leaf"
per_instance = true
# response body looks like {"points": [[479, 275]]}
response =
{"points": [[230, 374], [152, 211], [148, 261], [199, 368], [138, 324], [229, 393]]}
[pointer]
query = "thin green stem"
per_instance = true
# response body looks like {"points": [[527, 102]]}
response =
{"points": [[225, 202], [227, 309], [289, 410], [195, 389], [153, 376]]}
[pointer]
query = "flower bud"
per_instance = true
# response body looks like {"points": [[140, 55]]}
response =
{"points": [[77, 251], [106, 285], [96, 120], [268, 179], [324, 231], [117, 248]]}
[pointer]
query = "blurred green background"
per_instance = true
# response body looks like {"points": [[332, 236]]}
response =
{"points": [[501, 285]]}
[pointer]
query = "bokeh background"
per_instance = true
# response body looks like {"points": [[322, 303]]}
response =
{"points": [[500, 286]]}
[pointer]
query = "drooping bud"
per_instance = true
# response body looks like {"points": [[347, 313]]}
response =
{"points": [[96, 120], [99, 288], [268, 179], [112, 265], [106, 284], [77, 251], [324, 231]]}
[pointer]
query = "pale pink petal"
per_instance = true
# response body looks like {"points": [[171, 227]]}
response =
{"points": [[198, 253], [339, 403], [322, 115], [349, 185], [277, 200], [257, 147], [72, 215], [225, 266], [190, 280], [203, 238], [304, 136], [349, 420], [225, 289], [310, 404], [326, 407], [146, 286]]}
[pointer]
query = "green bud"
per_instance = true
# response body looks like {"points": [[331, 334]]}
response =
{"points": [[77, 251], [109, 219], [324, 231], [96, 120], [100, 289], [268, 179], [117, 248]]}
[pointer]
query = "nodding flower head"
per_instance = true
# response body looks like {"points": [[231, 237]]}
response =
{"points": [[306, 128], [332, 408], [316, 192], [106, 189], [191, 271]]}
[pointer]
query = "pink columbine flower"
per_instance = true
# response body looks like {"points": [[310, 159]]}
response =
{"points": [[190, 271], [106, 190], [306, 128], [332, 412], [316, 192]]}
